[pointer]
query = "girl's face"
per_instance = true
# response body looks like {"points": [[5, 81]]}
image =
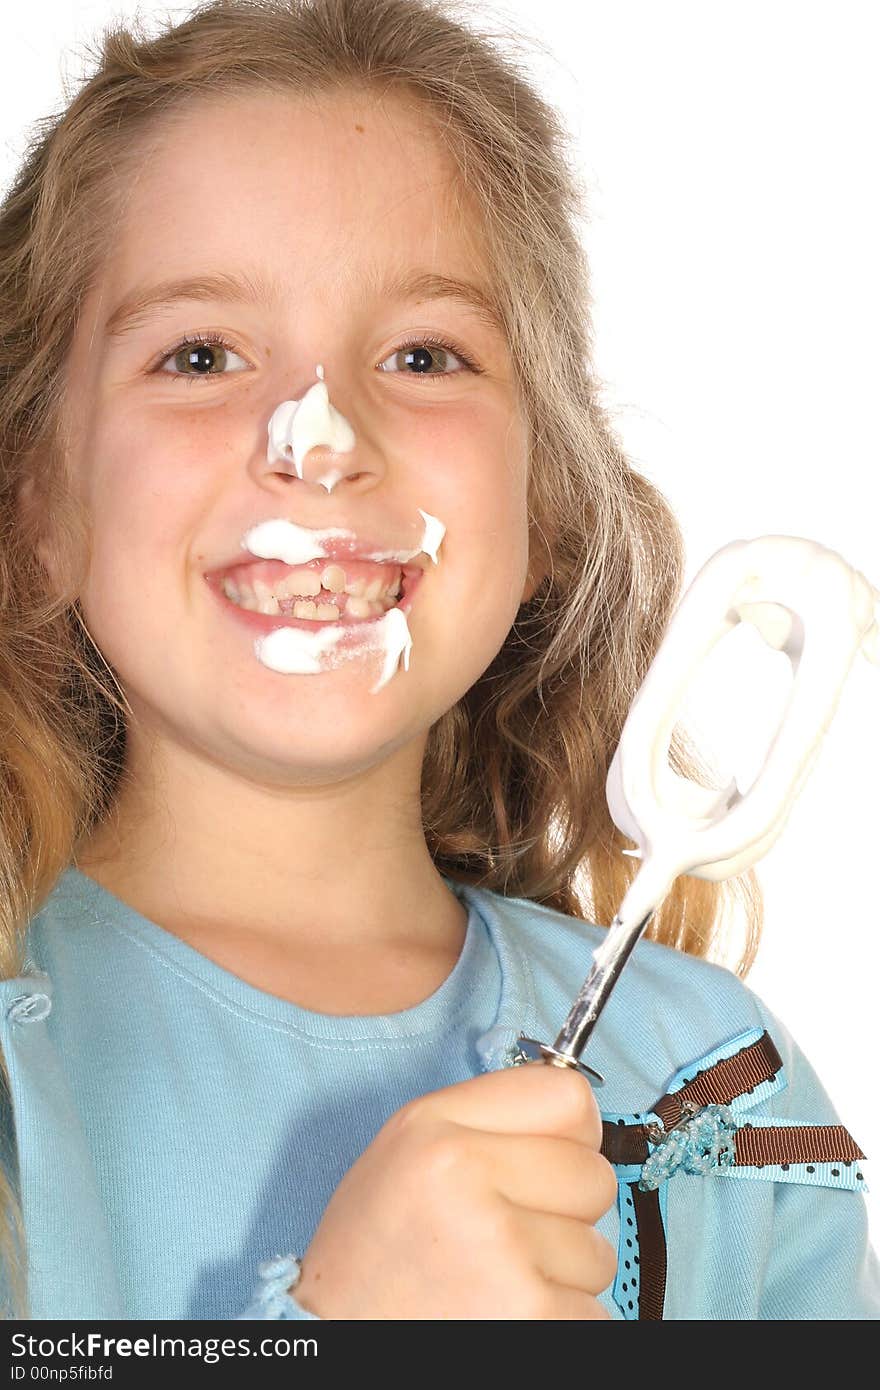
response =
{"points": [[329, 202]]}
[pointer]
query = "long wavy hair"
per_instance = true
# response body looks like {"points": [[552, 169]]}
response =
{"points": [[513, 786]]}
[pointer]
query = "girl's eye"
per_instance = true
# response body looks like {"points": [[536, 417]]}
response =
{"points": [[202, 353], [205, 355], [419, 356]]}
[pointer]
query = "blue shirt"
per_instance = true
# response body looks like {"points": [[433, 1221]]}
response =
{"points": [[176, 1126]]}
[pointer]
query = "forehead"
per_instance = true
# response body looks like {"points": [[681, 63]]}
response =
{"points": [[313, 187]]}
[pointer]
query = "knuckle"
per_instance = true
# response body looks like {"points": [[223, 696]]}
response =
{"points": [[424, 1140], [416, 1126], [411, 1118], [446, 1157]]}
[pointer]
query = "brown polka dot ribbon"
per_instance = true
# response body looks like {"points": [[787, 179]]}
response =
{"points": [[824, 1155]]}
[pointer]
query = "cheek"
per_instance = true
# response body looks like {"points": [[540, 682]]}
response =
{"points": [[476, 481], [479, 592], [471, 460], [165, 452], [146, 496], [152, 479]]}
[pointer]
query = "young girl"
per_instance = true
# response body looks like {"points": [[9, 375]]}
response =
{"points": [[326, 589]]}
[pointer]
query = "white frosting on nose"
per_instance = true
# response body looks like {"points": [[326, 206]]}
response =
{"points": [[298, 426]]}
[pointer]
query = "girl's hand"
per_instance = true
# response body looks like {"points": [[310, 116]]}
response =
{"points": [[478, 1201]]}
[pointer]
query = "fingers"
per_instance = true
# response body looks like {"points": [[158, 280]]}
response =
{"points": [[534, 1098], [570, 1252], [556, 1176]]}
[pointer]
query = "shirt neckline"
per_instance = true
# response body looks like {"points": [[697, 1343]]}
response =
{"points": [[479, 958]]}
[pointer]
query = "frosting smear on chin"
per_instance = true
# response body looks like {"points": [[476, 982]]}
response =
{"points": [[292, 651]]}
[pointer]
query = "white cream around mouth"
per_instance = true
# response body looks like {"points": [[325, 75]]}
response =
{"points": [[303, 646], [304, 642], [306, 597], [319, 590]]}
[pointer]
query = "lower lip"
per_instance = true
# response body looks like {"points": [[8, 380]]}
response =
{"points": [[268, 622]]}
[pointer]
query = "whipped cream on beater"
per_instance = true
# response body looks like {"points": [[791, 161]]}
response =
{"points": [[806, 601], [295, 427]]}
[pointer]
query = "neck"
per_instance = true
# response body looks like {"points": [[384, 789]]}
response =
{"points": [[341, 865]]}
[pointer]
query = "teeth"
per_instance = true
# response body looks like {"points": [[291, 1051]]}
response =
{"points": [[366, 599], [304, 583], [359, 607], [266, 601], [333, 579], [299, 582]]}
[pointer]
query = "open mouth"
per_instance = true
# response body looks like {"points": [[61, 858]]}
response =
{"points": [[268, 594]]}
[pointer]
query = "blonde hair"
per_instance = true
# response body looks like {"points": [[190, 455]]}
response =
{"points": [[513, 788]]}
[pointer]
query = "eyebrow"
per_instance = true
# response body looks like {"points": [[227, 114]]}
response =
{"points": [[245, 288]]}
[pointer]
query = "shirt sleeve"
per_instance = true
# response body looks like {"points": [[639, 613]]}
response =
{"points": [[273, 1299], [821, 1266]]}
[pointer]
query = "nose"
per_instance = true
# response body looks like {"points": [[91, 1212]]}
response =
{"points": [[303, 432], [323, 467]]}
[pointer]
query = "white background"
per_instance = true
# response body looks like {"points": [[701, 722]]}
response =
{"points": [[730, 152]]}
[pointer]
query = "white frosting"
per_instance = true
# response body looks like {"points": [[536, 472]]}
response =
{"points": [[294, 429], [293, 651], [280, 539], [806, 601], [298, 426]]}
